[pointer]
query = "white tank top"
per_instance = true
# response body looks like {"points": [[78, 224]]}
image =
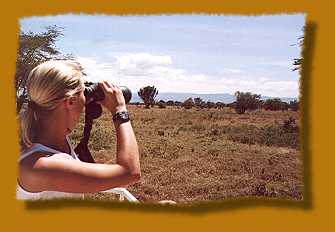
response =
{"points": [[22, 194]]}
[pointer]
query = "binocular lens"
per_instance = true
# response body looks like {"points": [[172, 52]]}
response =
{"points": [[93, 92]]}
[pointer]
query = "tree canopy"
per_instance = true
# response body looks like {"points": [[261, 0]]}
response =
{"points": [[246, 101], [34, 49], [273, 104], [297, 62], [148, 95]]}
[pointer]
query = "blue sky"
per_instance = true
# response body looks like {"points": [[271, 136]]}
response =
{"points": [[184, 53]]}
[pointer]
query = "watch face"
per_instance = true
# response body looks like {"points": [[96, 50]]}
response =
{"points": [[121, 116], [124, 115]]}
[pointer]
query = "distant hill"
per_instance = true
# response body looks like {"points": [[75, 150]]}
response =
{"points": [[215, 97]]}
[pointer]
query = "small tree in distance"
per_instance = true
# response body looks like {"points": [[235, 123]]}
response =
{"points": [[210, 104], [220, 105], [294, 105], [170, 103], [188, 103], [148, 95], [198, 101], [273, 104], [246, 101], [161, 104]]}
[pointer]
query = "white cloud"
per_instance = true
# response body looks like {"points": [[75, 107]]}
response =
{"points": [[231, 70], [96, 70], [261, 86], [141, 61], [136, 70]]}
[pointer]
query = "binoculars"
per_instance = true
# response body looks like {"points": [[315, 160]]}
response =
{"points": [[93, 93]]}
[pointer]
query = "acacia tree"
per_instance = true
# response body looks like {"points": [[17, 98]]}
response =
{"points": [[273, 104], [246, 101], [297, 62], [34, 49], [148, 95]]}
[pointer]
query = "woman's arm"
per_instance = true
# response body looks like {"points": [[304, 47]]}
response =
{"points": [[127, 154], [62, 173]]}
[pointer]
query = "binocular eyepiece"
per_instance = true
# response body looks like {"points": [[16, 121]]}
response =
{"points": [[93, 92]]}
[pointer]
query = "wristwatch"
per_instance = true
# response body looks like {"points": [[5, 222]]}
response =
{"points": [[121, 116]]}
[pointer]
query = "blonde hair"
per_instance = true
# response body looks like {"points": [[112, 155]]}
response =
{"points": [[48, 84]]}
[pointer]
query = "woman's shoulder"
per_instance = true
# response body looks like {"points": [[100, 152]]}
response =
{"points": [[33, 167], [38, 150], [37, 159], [33, 151]]}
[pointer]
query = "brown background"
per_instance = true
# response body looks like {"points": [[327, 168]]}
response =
{"points": [[318, 84]]}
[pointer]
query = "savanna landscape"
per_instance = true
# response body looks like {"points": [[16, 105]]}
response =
{"points": [[191, 151], [192, 155]]}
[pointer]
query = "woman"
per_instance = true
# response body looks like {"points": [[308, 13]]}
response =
{"points": [[48, 165]]}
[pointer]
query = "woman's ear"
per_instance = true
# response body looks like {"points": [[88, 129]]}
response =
{"points": [[69, 102]]}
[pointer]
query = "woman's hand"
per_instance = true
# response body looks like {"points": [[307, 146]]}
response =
{"points": [[114, 100]]}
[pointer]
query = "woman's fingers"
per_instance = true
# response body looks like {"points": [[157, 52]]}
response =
{"points": [[104, 86], [115, 87], [113, 96], [110, 85], [107, 84]]}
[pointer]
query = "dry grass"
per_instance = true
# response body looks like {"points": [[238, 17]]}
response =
{"points": [[190, 155]]}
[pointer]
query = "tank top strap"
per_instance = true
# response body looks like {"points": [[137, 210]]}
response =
{"points": [[72, 152], [37, 147]]}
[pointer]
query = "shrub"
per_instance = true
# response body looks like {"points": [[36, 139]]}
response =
{"points": [[294, 105], [219, 105], [275, 104], [198, 102], [290, 125], [178, 103], [161, 104], [170, 103], [269, 135], [188, 103], [210, 104]]}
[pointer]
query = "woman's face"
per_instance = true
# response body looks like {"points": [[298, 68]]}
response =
{"points": [[78, 105], [81, 102]]}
